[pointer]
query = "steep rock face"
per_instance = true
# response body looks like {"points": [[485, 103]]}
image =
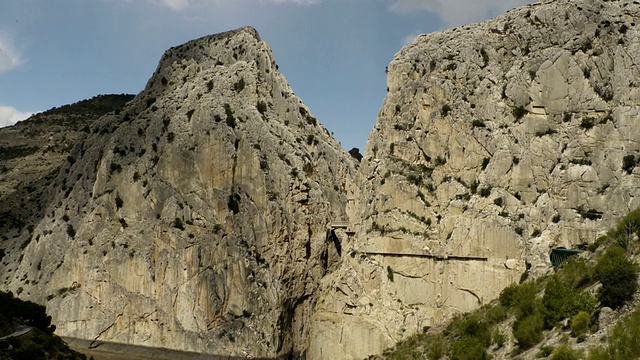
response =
{"points": [[497, 142], [197, 217], [31, 154]]}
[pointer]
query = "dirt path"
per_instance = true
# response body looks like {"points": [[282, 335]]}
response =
{"points": [[19, 331], [115, 351]]}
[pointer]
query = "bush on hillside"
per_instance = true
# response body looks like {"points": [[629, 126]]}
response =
{"points": [[619, 278], [580, 323], [576, 272], [468, 348], [522, 299], [565, 352], [626, 228], [623, 341], [561, 302], [528, 330]]}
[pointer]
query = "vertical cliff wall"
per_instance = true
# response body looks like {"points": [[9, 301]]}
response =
{"points": [[497, 142]]}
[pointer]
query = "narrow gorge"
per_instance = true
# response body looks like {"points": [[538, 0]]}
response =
{"points": [[214, 213]]}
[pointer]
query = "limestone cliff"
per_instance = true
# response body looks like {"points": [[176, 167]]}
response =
{"points": [[31, 155], [497, 142], [196, 217], [213, 213]]}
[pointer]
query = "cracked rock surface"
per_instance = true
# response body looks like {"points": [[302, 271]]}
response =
{"points": [[195, 217], [497, 142]]}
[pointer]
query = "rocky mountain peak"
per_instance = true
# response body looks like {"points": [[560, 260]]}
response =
{"points": [[200, 209]]}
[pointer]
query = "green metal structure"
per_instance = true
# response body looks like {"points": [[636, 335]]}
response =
{"points": [[561, 254]]}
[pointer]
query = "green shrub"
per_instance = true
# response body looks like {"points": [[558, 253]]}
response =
{"points": [[576, 272], [468, 348], [545, 351], [519, 112], [496, 314], [178, 224], [390, 273], [478, 123], [472, 325], [564, 352], [262, 107], [239, 85], [626, 228], [587, 123], [619, 278], [580, 323], [622, 340], [499, 339], [436, 347], [521, 298], [485, 56], [231, 120], [119, 202], [71, 231], [446, 109], [628, 163], [561, 301], [528, 331]]}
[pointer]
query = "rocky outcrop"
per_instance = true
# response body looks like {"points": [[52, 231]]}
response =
{"points": [[31, 155], [196, 217], [497, 142]]}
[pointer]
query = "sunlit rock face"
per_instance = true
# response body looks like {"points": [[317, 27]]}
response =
{"points": [[497, 142], [196, 217], [214, 213]]}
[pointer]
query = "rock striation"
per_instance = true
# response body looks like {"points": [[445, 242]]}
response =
{"points": [[497, 142], [196, 217]]}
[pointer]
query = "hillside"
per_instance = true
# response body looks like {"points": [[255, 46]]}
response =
{"points": [[31, 155], [587, 309], [37, 341]]}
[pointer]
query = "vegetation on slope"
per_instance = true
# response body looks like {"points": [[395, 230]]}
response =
{"points": [[565, 306], [98, 105], [39, 342], [79, 114]]}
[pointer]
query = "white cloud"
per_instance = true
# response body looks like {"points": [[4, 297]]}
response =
{"points": [[296, 2], [409, 38], [181, 5], [9, 56], [458, 12], [9, 115], [176, 5]]}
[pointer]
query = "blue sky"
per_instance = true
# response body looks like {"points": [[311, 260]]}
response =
{"points": [[332, 52]]}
